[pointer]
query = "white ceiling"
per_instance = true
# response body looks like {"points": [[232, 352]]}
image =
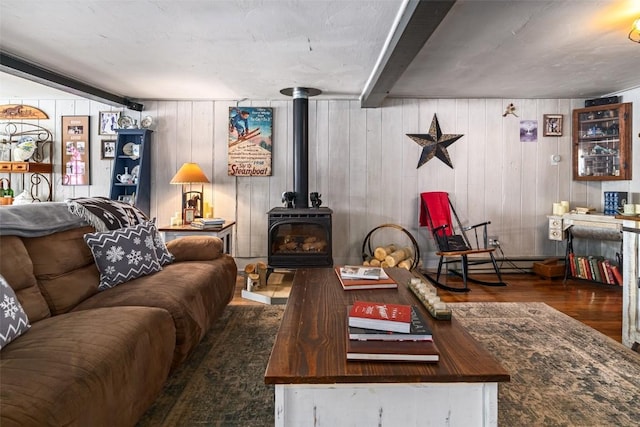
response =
{"points": [[235, 49]]}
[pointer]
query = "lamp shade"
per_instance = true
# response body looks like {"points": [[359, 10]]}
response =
{"points": [[189, 173]]}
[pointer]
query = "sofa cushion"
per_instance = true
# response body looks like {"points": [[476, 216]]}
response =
{"points": [[195, 293], [64, 268], [123, 254], [13, 320], [106, 214], [17, 268], [99, 367], [195, 248]]}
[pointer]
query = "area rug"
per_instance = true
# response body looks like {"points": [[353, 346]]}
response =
{"points": [[222, 383], [563, 373]]}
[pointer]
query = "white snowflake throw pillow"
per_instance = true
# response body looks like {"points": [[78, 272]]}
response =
{"points": [[13, 320], [123, 254]]}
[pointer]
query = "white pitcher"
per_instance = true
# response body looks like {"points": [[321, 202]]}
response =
{"points": [[125, 178]]}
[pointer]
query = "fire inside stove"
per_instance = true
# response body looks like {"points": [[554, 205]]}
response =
{"points": [[300, 238]]}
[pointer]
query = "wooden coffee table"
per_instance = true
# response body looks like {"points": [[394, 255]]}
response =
{"points": [[315, 385]]}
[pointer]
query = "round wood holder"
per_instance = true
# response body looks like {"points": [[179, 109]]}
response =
{"points": [[367, 250]]}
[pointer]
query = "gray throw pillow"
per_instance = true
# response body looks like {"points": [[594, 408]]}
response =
{"points": [[13, 320], [123, 254], [164, 256]]}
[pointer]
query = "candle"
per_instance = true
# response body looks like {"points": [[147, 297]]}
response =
{"points": [[439, 305]]}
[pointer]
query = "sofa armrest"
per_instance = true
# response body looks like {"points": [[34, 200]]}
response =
{"points": [[195, 248]]}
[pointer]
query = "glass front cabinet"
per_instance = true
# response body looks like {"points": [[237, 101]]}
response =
{"points": [[602, 143]]}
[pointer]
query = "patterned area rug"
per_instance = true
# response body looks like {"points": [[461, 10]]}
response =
{"points": [[563, 373]]}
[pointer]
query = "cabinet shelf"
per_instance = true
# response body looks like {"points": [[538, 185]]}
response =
{"points": [[595, 139], [35, 175], [140, 188], [602, 143]]}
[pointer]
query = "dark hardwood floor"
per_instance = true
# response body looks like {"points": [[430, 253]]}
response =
{"points": [[599, 306]]}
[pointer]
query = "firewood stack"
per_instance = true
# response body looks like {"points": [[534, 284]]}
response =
{"points": [[391, 256], [302, 244]]}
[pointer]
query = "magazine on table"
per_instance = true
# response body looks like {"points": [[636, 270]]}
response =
{"points": [[362, 272]]}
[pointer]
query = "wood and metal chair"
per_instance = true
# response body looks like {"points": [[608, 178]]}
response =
{"points": [[452, 243]]}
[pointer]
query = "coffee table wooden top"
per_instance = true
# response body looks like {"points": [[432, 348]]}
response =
{"points": [[310, 347]]}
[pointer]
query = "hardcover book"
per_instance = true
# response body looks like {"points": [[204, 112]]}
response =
{"points": [[362, 272], [400, 351], [419, 331], [384, 282], [381, 316]]}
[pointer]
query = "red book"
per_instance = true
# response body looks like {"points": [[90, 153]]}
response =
{"points": [[381, 316], [355, 284], [404, 351], [607, 269], [617, 274]]}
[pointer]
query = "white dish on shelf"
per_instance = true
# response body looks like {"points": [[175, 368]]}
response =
{"points": [[125, 122], [132, 150], [24, 149], [146, 122], [135, 173]]}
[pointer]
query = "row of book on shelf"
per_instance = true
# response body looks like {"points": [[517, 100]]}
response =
{"points": [[389, 332], [594, 268]]}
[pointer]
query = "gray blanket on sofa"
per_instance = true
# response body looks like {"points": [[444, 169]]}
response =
{"points": [[37, 219]]}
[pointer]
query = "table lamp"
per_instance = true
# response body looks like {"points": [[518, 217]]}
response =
{"points": [[187, 175]]}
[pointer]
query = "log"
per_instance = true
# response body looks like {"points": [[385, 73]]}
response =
{"points": [[384, 264], [399, 255], [374, 262], [381, 252], [406, 263]]}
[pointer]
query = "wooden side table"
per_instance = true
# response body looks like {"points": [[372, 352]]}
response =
{"points": [[225, 233]]}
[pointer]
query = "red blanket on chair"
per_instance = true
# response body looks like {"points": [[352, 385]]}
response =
{"points": [[435, 210]]}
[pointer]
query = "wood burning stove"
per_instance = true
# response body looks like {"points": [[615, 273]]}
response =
{"points": [[300, 236]]}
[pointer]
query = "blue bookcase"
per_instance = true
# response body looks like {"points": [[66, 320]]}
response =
{"points": [[131, 177]]}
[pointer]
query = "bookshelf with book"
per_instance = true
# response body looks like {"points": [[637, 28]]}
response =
{"points": [[589, 266], [594, 268]]}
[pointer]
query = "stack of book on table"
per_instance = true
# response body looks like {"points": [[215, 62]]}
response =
{"points": [[207, 223], [389, 332], [354, 277]]}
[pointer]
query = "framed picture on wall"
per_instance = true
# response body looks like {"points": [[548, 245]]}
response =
{"points": [[552, 125], [250, 141], [108, 122], [108, 149], [75, 135]]}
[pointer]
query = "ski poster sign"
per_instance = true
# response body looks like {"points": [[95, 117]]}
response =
{"points": [[250, 141]]}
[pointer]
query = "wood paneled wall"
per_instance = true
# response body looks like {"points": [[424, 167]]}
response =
{"points": [[364, 165]]}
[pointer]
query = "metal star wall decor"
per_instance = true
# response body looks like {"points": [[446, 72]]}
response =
{"points": [[434, 143]]}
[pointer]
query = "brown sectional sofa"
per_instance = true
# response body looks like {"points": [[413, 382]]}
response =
{"points": [[100, 357]]}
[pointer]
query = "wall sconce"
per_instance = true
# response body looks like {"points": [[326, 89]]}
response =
{"points": [[187, 175], [634, 34]]}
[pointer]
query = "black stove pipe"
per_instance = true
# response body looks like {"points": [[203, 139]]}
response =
{"points": [[301, 149], [301, 142]]}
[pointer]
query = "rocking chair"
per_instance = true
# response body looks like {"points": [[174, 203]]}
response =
{"points": [[452, 242]]}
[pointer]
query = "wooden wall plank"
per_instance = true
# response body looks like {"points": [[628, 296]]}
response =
{"points": [[364, 165]]}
